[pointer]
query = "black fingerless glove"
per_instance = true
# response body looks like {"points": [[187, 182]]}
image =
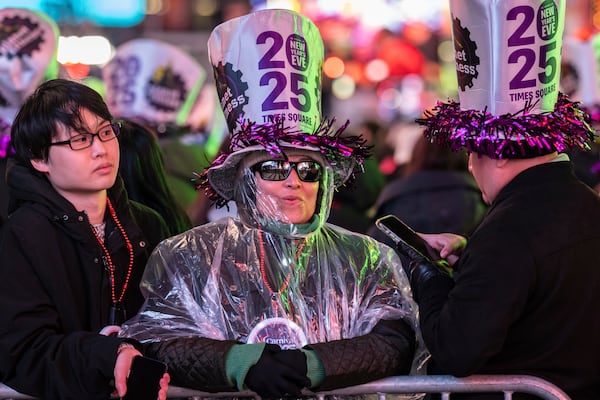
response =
{"points": [[421, 272], [278, 373], [410, 252]]}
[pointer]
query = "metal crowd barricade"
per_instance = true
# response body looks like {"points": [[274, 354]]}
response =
{"points": [[443, 384]]}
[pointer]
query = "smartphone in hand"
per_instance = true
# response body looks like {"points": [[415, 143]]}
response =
{"points": [[401, 233], [143, 382]]}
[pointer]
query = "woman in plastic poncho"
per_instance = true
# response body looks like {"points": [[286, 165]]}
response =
{"points": [[276, 300]]}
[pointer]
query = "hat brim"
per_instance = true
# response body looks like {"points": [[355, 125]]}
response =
{"points": [[222, 177]]}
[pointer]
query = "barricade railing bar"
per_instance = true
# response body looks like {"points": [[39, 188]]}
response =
{"points": [[442, 384]]}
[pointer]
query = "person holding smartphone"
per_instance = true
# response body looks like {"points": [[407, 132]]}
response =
{"points": [[72, 251], [524, 295], [276, 300]]}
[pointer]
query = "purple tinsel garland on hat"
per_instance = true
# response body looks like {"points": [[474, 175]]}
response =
{"points": [[593, 111], [273, 137], [517, 135]]}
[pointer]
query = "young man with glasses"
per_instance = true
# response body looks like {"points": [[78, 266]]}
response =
{"points": [[276, 300], [72, 251]]}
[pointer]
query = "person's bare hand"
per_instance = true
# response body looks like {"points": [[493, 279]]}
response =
{"points": [[164, 386], [122, 367], [110, 330], [449, 245]]}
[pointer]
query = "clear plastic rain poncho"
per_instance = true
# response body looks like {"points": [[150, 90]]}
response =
{"points": [[257, 278]]}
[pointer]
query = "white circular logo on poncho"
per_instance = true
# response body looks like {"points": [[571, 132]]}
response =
{"points": [[280, 331]]}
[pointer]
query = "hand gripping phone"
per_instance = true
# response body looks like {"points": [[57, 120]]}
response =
{"points": [[404, 235], [143, 382]]}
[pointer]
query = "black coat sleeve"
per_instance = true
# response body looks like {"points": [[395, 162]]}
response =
{"points": [[195, 362], [386, 351]]}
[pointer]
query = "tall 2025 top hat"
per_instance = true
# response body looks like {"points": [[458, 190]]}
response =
{"points": [[152, 81], [267, 67], [507, 55]]}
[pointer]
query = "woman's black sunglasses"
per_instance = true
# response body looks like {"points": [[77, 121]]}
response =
{"points": [[279, 170]]}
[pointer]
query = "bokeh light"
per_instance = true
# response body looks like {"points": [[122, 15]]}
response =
{"points": [[333, 67], [376, 70], [90, 50], [343, 87]]}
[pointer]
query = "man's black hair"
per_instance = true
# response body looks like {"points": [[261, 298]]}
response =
{"points": [[57, 101]]}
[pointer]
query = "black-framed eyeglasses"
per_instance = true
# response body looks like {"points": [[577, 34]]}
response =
{"points": [[279, 170], [82, 141]]}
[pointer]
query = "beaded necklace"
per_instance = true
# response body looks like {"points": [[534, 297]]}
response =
{"points": [[263, 272], [117, 312]]}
